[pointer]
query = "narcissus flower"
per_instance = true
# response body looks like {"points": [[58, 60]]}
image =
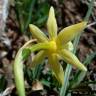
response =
{"points": [[56, 46]]}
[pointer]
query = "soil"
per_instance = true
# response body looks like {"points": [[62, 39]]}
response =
{"points": [[71, 12]]}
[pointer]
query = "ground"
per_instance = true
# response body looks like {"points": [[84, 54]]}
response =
{"points": [[70, 12]]}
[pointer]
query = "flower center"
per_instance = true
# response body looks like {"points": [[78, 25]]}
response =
{"points": [[53, 47]]}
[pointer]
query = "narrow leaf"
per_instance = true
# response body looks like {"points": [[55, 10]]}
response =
{"points": [[25, 53]]}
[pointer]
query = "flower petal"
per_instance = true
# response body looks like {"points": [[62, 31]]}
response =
{"points": [[72, 59], [68, 33], [52, 24], [41, 46], [38, 58], [37, 33], [69, 46], [56, 67]]}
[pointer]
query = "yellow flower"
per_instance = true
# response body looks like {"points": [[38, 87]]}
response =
{"points": [[56, 46]]}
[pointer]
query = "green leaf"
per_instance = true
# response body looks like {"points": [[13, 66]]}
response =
{"points": [[24, 9], [37, 71], [25, 53], [46, 83], [2, 83]]}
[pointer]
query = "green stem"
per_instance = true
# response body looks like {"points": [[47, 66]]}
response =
{"points": [[18, 64], [18, 74], [76, 41], [18, 71]]}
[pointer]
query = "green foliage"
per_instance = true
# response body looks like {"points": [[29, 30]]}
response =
{"points": [[31, 11], [2, 83], [25, 53]]}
